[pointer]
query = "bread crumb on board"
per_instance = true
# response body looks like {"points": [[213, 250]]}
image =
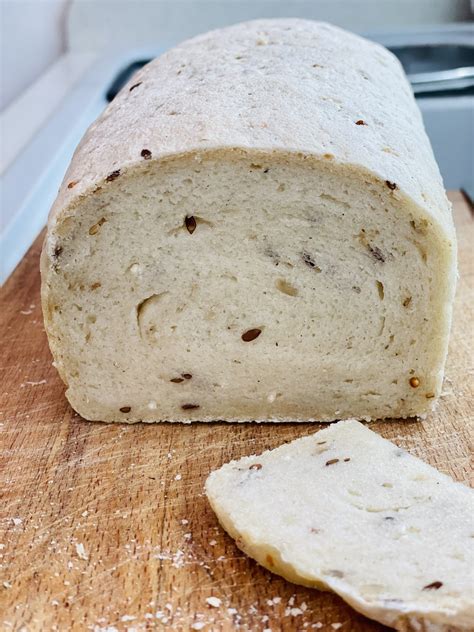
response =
{"points": [[81, 552], [214, 602]]}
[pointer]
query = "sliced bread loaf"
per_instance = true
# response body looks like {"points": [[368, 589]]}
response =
{"points": [[347, 511], [255, 228]]}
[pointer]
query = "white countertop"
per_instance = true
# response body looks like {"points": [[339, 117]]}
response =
{"points": [[25, 116]]}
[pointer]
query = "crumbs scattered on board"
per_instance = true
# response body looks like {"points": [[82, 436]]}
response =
{"points": [[27, 312], [38, 383], [211, 611], [214, 612], [77, 569]]}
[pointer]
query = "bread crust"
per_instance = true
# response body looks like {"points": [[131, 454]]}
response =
{"points": [[281, 85]]}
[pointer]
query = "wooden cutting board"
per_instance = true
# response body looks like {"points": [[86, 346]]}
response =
{"points": [[105, 527]]}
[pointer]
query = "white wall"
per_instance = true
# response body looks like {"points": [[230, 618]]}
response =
{"points": [[32, 36], [33, 33], [100, 24]]}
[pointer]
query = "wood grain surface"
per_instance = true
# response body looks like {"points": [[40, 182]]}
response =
{"points": [[105, 527]]}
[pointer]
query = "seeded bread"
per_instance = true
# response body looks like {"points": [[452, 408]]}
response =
{"points": [[347, 511], [255, 228]]}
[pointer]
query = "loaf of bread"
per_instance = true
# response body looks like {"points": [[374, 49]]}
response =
{"points": [[347, 511], [254, 229]]}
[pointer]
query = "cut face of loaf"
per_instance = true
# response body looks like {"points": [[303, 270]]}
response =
{"points": [[248, 287], [236, 271], [347, 511]]}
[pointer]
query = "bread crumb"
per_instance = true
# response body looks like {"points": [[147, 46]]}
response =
{"points": [[212, 542], [199, 625], [215, 602], [336, 626], [81, 552], [17, 521], [178, 477], [161, 617]]}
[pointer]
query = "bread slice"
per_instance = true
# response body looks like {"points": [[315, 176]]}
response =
{"points": [[347, 511], [255, 228]]}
